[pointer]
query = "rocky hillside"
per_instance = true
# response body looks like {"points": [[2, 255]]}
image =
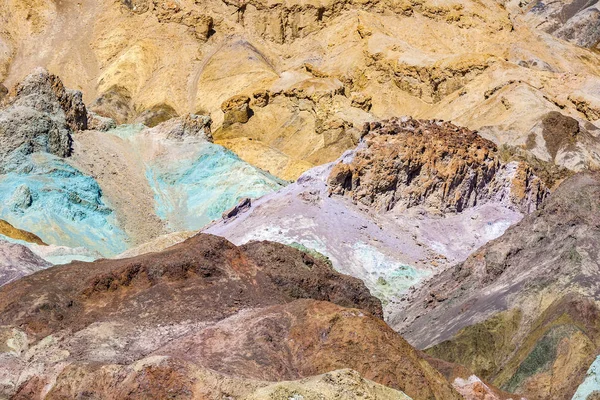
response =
{"points": [[521, 312], [64, 167], [414, 198], [184, 184], [152, 324], [289, 84]]}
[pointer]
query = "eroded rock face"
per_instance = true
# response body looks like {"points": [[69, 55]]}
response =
{"points": [[260, 311], [191, 125], [405, 163], [41, 115], [513, 309], [576, 21], [236, 110], [116, 104], [156, 115]]}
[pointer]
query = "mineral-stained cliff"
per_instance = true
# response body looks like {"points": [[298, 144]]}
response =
{"points": [[404, 163], [521, 312], [153, 323]]}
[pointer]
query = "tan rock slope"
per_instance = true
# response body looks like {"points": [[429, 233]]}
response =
{"points": [[309, 74]]}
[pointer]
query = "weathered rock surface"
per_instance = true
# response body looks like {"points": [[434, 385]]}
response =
{"points": [[405, 163], [521, 312], [152, 322], [236, 110], [41, 115], [17, 261]]}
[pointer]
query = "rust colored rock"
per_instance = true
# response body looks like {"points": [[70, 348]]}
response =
{"points": [[406, 163], [151, 326], [209, 267]]}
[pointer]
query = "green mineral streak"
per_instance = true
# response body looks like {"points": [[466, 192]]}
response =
{"points": [[315, 254], [541, 358]]}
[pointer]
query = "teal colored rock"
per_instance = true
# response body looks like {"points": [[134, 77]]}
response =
{"points": [[190, 193], [21, 199], [591, 382], [43, 194]]}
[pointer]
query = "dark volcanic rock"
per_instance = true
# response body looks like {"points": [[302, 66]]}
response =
{"points": [[242, 206]]}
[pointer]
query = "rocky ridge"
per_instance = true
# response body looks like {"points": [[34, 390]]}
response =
{"points": [[315, 71], [405, 163], [130, 320]]}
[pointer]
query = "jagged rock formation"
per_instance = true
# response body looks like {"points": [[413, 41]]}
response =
{"points": [[153, 324], [414, 198], [405, 163], [40, 115], [521, 312]]}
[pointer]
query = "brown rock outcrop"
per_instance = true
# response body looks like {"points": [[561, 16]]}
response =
{"points": [[236, 110], [406, 162], [260, 311]]}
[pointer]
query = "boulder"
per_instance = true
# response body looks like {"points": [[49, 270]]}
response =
{"points": [[236, 110], [41, 115]]}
